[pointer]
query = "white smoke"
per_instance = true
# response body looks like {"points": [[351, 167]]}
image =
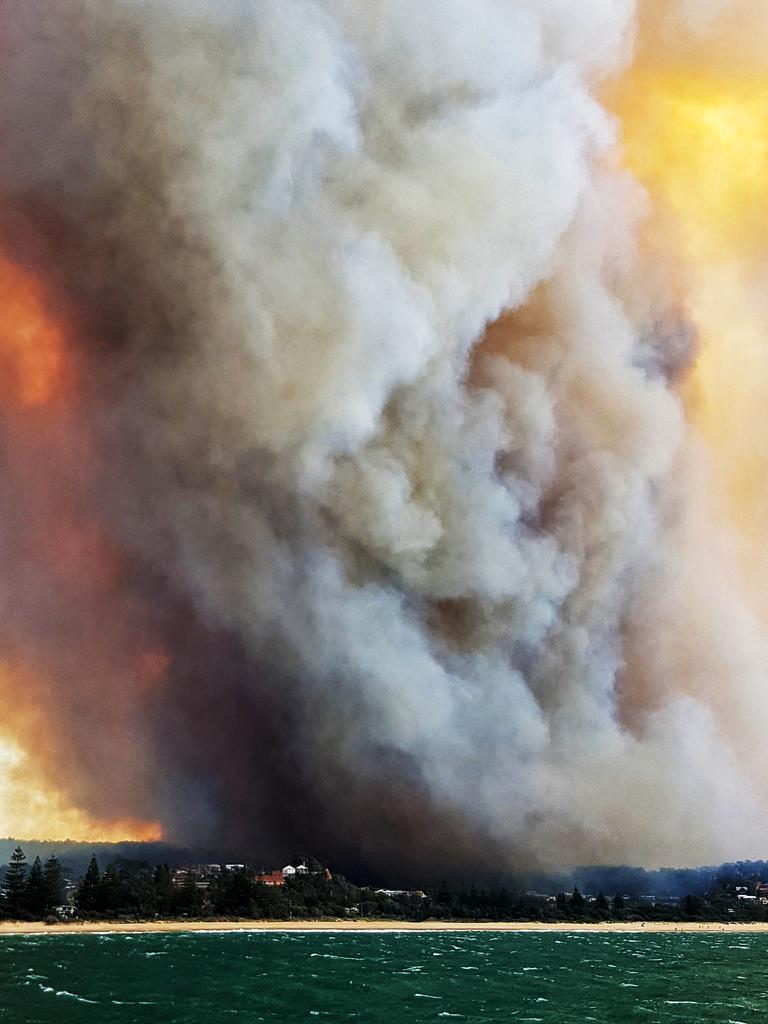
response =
{"points": [[469, 549]]}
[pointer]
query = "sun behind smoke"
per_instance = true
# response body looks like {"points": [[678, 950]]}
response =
{"points": [[699, 142]]}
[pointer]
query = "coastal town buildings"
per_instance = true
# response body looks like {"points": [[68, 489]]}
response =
{"points": [[204, 874]]}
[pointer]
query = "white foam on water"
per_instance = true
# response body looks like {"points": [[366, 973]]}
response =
{"points": [[64, 994], [336, 956]]}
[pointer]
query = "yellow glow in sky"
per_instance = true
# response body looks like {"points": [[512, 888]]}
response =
{"points": [[32, 810], [699, 143]]}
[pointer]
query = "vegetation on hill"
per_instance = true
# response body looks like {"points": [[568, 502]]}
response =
{"points": [[135, 889]]}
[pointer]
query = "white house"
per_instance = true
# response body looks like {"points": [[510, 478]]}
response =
{"points": [[300, 869]]}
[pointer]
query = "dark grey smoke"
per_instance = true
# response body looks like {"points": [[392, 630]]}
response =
{"points": [[405, 567]]}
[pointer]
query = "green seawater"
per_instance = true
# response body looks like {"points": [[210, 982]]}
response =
{"points": [[381, 978]]}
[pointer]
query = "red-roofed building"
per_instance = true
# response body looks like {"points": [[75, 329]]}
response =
{"points": [[273, 878]]}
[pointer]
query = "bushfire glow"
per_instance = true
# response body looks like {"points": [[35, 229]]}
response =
{"points": [[381, 424]]}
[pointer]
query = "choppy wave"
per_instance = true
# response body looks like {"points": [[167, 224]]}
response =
{"points": [[510, 978]]}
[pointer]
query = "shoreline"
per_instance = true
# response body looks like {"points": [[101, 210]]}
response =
{"points": [[11, 928]]}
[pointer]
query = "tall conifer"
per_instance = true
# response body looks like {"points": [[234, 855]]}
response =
{"points": [[35, 899], [87, 897], [54, 884], [15, 874]]}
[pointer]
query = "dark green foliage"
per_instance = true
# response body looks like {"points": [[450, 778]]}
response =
{"points": [[35, 900], [189, 901], [134, 889], [164, 891], [87, 896], [14, 885], [692, 906], [137, 886], [54, 884], [232, 894], [111, 895]]}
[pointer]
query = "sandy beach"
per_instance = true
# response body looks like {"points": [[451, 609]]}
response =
{"points": [[101, 927]]}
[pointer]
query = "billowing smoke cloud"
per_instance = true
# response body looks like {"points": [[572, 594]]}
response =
{"points": [[374, 424]]}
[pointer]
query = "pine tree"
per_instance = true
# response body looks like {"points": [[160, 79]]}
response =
{"points": [[13, 897], [86, 899], [601, 902], [35, 899], [164, 890], [54, 883], [577, 900]]}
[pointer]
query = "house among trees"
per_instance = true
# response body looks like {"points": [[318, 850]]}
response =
{"points": [[395, 893], [289, 871], [306, 867]]}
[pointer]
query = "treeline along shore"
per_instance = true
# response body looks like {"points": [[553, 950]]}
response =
{"points": [[138, 891]]}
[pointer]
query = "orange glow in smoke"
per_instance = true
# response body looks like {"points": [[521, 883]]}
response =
{"points": [[35, 369], [32, 805], [699, 142], [31, 342], [30, 808]]}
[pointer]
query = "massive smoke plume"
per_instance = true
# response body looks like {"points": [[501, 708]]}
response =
{"points": [[363, 513]]}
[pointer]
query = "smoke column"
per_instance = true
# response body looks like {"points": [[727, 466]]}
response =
{"points": [[360, 495]]}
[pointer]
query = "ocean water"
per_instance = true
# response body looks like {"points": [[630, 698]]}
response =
{"points": [[383, 978]]}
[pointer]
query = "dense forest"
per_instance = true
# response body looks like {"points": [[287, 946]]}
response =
{"points": [[137, 890]]}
